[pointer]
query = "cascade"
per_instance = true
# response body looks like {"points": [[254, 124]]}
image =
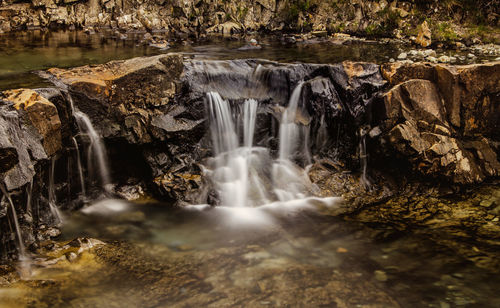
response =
{"points": [[23, 256], [245, 175], [363, 158], [79, 165], [96, 149], [52, 194]]}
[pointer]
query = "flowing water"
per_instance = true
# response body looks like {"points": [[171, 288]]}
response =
{"points": [[52, 193], [79, 165], [97, 161], [24, 258]]}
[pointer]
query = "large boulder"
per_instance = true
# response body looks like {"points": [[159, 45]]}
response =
{"points": [[130, 99]]}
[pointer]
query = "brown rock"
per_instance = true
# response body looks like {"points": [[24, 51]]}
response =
{"points": [[124, 92], [42, 115], [424, 37]]}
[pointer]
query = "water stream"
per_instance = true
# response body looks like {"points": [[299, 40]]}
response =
{"points": [[24, 258], [52, 193], [79, 165]]}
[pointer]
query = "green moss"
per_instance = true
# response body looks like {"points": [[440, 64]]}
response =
{"points": [[443, 32]]}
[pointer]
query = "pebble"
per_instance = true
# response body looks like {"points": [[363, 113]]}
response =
{"points": [[430, 53], [471, 56], [392, 60], [402, 56], [444, 59], [432, 59], [413, 52], [486, 203], [380, 276], [453, 59], [342, 250], [497, 59]]}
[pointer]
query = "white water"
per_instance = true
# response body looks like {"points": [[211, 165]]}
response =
{"points": [[24, 259], [52, 194], [96, 150], [79, 164], [249, 183]]}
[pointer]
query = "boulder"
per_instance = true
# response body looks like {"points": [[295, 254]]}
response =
{"points": [[127, 99]]}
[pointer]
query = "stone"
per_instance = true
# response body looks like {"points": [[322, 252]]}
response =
{"points": [[432, 59], [402, 56], [429, 53], [444, 59], [380, 276], [424, 37]]}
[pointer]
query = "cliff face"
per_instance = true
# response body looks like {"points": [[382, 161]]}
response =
{"points": [[372, 18]]}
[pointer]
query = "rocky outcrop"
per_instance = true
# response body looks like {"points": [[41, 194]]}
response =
{"points": [[444, 119]]}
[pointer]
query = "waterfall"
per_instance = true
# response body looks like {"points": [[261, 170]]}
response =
{"points": [[23, 256], [237, 169], [96, 149], [79, 165], [245, 175], [52, 193], [363, 158], [289, 130]]}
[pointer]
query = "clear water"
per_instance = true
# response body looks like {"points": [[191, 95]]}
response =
{"points": [[22, 53], [161, 257]]}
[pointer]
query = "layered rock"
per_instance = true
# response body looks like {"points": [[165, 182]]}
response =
{"points": [[31, 131], [446, 122]]}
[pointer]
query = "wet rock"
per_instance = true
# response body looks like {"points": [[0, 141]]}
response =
{"points": [[31, 132], [109, 94], [380, 276]]}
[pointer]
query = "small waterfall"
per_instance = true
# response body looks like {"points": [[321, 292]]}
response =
{"points": [[24, 259], [96, 149], [29, 194], [236, 170], [363, 157], [52, 193], [245, 175], [289, 130], [290, 181], [79, 164]]}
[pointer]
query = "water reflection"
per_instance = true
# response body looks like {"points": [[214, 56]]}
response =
{"points": [[21, 53]]}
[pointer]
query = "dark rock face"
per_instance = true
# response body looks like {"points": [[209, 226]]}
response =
{"points": [[30, 135]]}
